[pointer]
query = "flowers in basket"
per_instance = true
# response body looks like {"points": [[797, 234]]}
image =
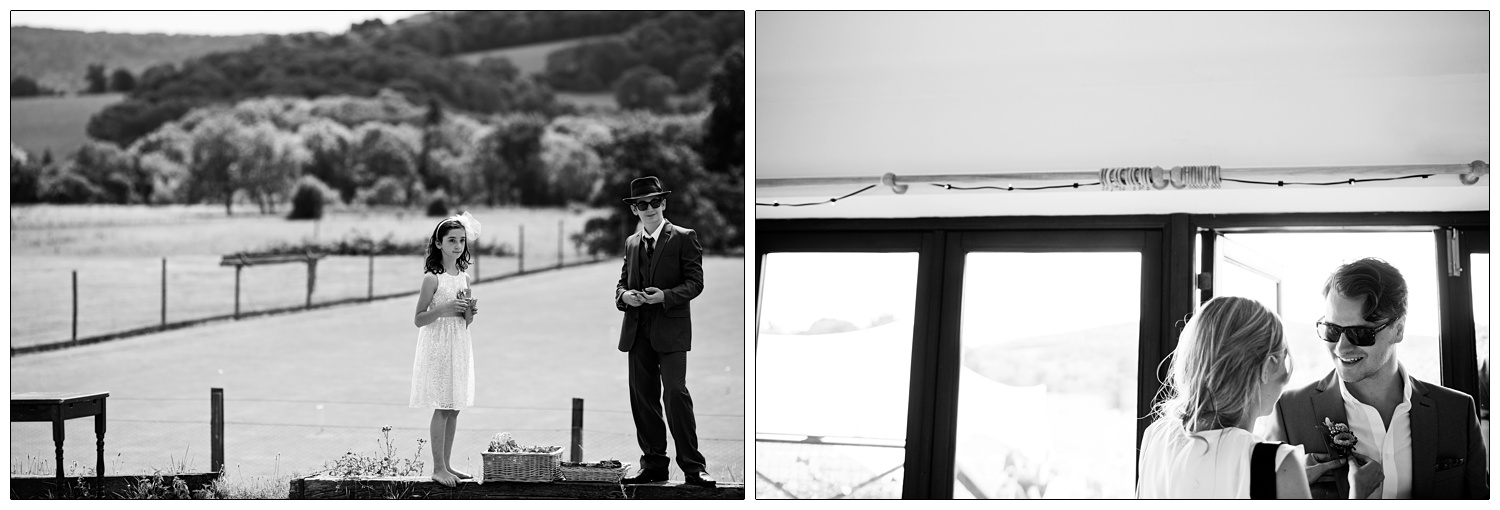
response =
{"points": [[503, 443], [603, 464], [1340, 437]]}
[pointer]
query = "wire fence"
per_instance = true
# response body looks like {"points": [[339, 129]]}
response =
{"points": [[278, 438], [819, 471], [63, 301]]}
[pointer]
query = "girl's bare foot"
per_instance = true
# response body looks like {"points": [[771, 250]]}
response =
{"points": [[460, 474], [445, 478]]}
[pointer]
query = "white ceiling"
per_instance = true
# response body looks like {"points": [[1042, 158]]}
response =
{"points": [[861, 94]]}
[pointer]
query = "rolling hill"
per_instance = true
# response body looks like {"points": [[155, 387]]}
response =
{"points": [[57, 59], [56, 123], [530, 59]]}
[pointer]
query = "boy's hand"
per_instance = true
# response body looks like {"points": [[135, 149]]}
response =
{"points": [[654, 295], [632, 298]]}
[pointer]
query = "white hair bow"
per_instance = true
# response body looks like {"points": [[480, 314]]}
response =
{"points": [[471, 225]]}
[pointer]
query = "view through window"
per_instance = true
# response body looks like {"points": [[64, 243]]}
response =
{"points": [[1047, 392], [1305, 260], [1479, 264], [833, 362]]}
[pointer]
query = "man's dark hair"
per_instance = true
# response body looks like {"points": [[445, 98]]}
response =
{"points": [[1380, 283]]}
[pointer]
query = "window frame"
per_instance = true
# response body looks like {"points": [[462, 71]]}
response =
{"points": [[1459, 367], [1165, 243], [932, 403]]}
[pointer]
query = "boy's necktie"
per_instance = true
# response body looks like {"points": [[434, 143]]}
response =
{"points": [[650, 247]]}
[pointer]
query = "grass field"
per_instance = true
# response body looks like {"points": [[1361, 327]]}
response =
{"points": [[530, 59], [118, 250], [303, 389], [58, 123]]}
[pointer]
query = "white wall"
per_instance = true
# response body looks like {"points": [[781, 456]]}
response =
{"points": [[861, 94]]}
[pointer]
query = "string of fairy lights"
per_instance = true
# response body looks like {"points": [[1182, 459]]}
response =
{"points": [[1142, 178]]}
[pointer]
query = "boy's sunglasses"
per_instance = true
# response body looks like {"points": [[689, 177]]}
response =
{"points": [[1363, 336], [642, 205]]}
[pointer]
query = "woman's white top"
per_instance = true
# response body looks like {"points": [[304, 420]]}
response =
{"points": [[1207, 465]]}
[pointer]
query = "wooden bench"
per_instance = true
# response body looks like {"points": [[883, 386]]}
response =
{"points": [[240, 261]]}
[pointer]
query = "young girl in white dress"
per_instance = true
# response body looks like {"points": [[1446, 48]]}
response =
{"points": [[443, 373], [1229, 368]]}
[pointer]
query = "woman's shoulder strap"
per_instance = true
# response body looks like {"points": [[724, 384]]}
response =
{"points": [[1263, 470]]}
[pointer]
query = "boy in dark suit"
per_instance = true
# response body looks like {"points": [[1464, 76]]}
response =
{"points": [[663, 272]]}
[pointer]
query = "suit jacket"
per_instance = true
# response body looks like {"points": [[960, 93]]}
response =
{"points": [[1447, 451], [676, 267]]}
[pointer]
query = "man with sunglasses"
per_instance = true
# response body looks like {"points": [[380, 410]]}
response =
{"points": [[1415, 440], [663, 272]]}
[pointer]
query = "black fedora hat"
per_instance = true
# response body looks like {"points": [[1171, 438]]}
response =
{"points": [[645, 187]]}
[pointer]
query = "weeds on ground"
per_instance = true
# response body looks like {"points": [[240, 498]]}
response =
{"points": [[232, 485], [160, 484], [383, 464]]}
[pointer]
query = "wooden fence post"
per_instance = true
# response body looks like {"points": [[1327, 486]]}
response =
{"points": [[163, 291], [312, 278], [371, 295], [521, 257], [577, 452], [237, 290], [216, 429], [75, 314]]}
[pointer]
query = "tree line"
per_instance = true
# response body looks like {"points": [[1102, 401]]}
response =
{"points": [[313, 67], [121, 80], [680, 47], [394, 150], [448, 33], [661, 54]]}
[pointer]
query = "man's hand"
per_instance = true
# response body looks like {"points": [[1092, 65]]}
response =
{"points": [[1320, 464], [1365, 475], [632, 298], [654, 295]]}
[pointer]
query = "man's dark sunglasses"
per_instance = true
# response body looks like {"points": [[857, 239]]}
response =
{"points": [[654, 203], [1363, 336]]}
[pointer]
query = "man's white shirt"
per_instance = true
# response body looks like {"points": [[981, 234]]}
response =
{"points": [[1391, 447]]}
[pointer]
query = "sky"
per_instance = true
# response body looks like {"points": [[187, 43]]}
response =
{"points": [[203, 22]]}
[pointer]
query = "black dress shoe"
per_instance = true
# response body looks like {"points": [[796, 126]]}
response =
{"points": [[701, 479], [646, 476]]}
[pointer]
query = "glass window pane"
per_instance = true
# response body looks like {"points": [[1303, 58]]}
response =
{"points": [[1246, 282], [1047, 392], [833, 362], [1479, 275], [1307, 259]]}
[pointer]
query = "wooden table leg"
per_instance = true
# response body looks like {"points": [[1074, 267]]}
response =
{"points": [[57, 438], [99, 431]]}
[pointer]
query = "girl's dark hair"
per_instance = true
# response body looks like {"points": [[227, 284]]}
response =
{"points": [[434, 261]]}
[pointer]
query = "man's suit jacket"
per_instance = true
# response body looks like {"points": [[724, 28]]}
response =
{"points": [[1447, 451], [676, 267]]}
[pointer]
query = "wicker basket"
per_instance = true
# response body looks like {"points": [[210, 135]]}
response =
{"points": [[522, 467], [594, 474]]}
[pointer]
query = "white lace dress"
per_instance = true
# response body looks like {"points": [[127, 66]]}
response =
{"points": [[442, 377]]}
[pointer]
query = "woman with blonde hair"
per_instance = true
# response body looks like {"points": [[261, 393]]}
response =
{"points": [[1230, 366]]}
